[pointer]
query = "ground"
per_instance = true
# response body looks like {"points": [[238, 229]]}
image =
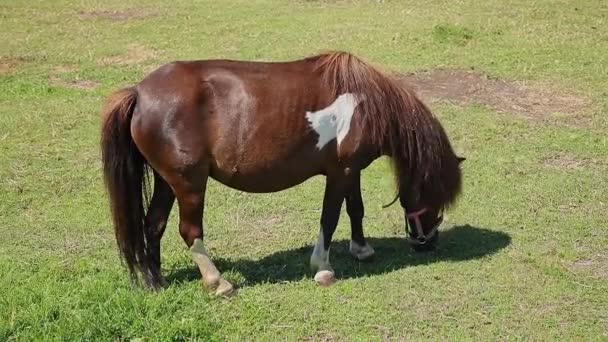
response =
{"points": [[520, 86]]}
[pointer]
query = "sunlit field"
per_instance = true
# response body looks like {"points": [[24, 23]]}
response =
{"points": [[521, 88]]}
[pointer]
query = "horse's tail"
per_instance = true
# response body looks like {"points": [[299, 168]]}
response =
{"points": [[125, 174]]}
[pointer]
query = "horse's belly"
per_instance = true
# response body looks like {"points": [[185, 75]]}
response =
{"points": [[263, 180]]}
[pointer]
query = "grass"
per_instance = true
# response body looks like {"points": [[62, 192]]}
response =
{"points": [[523, 254]]}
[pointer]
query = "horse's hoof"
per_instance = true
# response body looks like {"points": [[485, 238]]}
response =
{"points": [[225, 289], [361, 253], [219, 286], [211, 283], [325, 278]]}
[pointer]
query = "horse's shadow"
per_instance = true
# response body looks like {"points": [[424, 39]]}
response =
{"points": [[460, 243]]}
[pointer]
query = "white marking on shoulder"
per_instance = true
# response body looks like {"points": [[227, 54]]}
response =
{"points": [[333, 121]]}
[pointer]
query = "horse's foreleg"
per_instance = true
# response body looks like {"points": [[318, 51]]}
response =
{"points": [[359, 248], [156, 222], [319, 260], [191, 199]]}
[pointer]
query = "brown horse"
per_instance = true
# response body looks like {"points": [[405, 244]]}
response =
{"points": [[265, 127]]}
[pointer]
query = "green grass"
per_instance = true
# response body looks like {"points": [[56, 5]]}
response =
{"points": [[522, 253]]}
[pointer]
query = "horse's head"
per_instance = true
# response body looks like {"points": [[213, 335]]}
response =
{"points": [[421, 223], [423, 215], [422, 226]]}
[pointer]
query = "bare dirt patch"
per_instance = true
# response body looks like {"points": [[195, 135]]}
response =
{"points": [[136, 54], [117, 15], [75, 83], [532, 101], [10, 64], [569, 162], [321, 336], [597, 266]]}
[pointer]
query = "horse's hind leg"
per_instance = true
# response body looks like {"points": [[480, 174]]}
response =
{"points": [[156, 222], [190, 192], [359, 248]]}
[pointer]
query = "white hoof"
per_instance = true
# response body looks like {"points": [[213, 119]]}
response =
{"points": [[325, 278], [219, 286], [361, 252], [225, 289]]}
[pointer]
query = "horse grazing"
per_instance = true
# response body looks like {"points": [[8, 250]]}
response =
{"points": [[265, 127]]}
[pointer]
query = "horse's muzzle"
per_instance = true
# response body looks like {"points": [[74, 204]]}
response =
{"points": [[424, 244]]}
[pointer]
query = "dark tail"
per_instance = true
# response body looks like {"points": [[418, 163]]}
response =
{"points": [[125, 171]]}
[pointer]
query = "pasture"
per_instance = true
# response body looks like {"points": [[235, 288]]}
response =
{"points": [[521, 88]]}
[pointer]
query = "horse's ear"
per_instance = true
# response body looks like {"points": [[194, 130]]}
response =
{"points": [[461, 159]]}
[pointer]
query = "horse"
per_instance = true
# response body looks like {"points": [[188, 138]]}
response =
{"points": [[263, 127]]}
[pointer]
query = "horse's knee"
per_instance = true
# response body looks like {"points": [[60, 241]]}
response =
{"points": [[190, 232]]}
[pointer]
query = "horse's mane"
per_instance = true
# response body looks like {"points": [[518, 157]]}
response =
{"points": [[396, 121]]}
